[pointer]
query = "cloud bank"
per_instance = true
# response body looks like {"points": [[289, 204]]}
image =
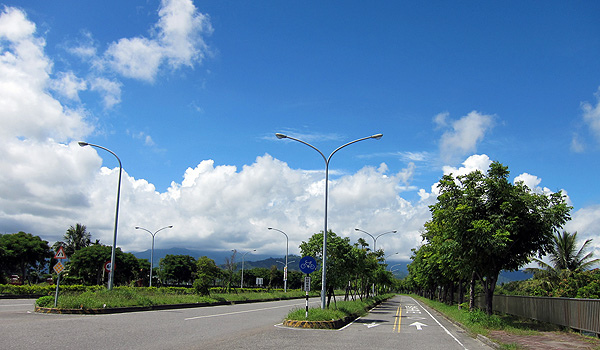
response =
{"points": [[49, 183]]}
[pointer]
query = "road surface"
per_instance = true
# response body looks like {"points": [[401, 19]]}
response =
{"points": [[399, 323]]}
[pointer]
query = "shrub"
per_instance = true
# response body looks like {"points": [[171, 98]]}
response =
{"points": [[488, 321], [46, 301]]}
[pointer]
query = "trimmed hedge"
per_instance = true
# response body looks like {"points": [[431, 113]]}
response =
{"points": [[43, 289]]}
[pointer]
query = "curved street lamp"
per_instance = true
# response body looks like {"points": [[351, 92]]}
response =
{"points": [[152, 251], [326, 159], [287, 241], [375, 237], [375, 246], [387, 256], [242, 280], [113, 262]]}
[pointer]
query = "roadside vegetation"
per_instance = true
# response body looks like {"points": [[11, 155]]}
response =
{"points": [[338, 310], [136, 296], [479, 322]]}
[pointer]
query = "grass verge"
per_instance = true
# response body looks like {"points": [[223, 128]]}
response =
{"points": [[132, 297], [478, 322], [338, 310]]}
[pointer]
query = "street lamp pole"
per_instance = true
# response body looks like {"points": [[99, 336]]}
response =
{"points": [[152, 251], [113, 262], [242, 280], [287, 241], [326, 159], [375, 247], [375, 238]]}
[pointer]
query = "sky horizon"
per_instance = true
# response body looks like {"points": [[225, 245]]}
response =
{"points": [[189, 95]]}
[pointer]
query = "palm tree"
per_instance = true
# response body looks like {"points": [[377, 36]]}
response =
{"points": [[565, 258], [75, 238]]}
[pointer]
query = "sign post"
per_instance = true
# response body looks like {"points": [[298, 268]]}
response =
{"points": [[308, 264], [58, 268]]}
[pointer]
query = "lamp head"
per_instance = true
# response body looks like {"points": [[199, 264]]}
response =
{"points": [[137, 227], [170, 226], [269, 228], [280, 136], [394, 231], [377, 136], [82, 144]]}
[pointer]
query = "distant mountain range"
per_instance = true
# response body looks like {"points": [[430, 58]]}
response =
{"points": [[265, 261]]}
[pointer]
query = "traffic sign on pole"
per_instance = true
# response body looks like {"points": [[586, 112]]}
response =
{"points": [[59, 267], [60, 253], [107, 266], [308, 264]]}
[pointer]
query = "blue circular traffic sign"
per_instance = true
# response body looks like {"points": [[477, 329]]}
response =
{"points": [[308, 264]]}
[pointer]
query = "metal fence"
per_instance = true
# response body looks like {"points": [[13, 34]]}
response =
{"points": [[581, 314]]}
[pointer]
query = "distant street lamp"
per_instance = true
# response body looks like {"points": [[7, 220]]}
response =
{"points": [[385, 258], [326, 159], [375, 238], [375, 246], [113, 260], [287, 240], [152, 251], [242, 280]]}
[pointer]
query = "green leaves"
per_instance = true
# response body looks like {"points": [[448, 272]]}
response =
{"points": [[483, 223]]}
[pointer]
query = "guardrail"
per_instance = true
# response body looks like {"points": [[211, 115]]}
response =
{"points": [[580, 314]]}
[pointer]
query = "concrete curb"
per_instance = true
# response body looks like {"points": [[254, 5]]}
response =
{"points": [[482, 338], [487, 341], [333, 324]]}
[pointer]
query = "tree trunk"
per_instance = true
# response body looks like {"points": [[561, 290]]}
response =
{"points": [[472, 292], [461, 293], [489, 285]]}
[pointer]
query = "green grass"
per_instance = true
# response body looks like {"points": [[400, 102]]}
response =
{"points": [[478, 322], [131, 297], [338, 310]]}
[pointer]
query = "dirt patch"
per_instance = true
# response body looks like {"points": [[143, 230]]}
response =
{"points": [[547, 340]]}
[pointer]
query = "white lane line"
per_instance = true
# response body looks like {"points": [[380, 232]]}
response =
{"points": [[242, 312], [15, 305], [438, 322]]}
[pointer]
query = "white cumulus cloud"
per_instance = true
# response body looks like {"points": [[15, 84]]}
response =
{"points": [[178, 40], [463, 135]]}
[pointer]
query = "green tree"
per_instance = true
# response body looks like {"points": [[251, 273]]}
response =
{"points": [[177, 269], [23, 252], [207, 272], [496, 225], [338, 260], [565, 258], [76, 237], [87, 265]]}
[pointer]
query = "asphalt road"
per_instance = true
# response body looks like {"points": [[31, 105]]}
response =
{"points": [[400, 323]]}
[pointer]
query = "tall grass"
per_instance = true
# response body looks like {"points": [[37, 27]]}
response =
{"points": [[478, 322], [132, 296], [338, 310]]}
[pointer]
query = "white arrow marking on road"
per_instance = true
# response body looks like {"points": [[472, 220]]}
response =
{"points": [[372, 324], [419, 325]]}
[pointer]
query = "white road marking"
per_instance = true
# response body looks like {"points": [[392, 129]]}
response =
{"points": [[418, 325], [241, 312], [447, 331]]}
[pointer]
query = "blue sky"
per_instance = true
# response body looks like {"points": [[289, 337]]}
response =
{"points": [[190, 94]]}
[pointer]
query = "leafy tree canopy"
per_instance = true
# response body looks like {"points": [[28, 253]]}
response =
{"points": [[177, 268], [487, 224], [21, 252]]}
